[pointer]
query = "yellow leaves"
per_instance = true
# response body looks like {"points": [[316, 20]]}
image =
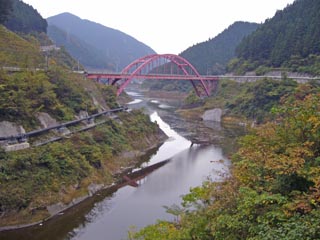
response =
{"points": [[247, 172], [309, 145], [290, 162], [277, 151], [284, 148], [314, 121], [315, 191], [161, 230], [16, 51], [299, 203]]}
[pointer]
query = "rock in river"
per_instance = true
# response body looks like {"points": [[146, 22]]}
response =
{"points": [[212, 115]]}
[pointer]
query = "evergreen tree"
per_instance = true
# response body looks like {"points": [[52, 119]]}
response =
{"points": [[286, 40], [24, 18], [5, 9]]}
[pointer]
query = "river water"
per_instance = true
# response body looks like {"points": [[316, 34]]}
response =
{"points": [[109, 215]]}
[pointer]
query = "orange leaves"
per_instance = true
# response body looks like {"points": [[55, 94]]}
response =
{"points": [[290, 162], [286, 148]]}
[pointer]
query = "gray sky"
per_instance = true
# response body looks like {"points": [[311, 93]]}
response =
{"points": [[167, 26]]}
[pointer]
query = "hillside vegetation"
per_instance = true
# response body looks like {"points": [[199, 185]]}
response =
{"points": [[256, 100], [273, 188], [290, 40], [273, 192], [18, 52], [209, 57], [51, 88], [86, 54], [35, 178], [23, 51], [5, 8], [24, 18], [35, 81], [97, 42]]}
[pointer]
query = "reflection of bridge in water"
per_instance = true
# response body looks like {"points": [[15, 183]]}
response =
{"points": [[133, 177]]}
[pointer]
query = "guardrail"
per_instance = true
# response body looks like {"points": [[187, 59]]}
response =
{"points": [[22, 137]]}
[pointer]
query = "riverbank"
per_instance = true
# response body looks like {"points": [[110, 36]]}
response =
{"points": [[59, 190], [58, 208], [109, 215]]}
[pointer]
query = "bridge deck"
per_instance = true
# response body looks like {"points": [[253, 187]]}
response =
{"points": [[150, 76], [95, 75]]}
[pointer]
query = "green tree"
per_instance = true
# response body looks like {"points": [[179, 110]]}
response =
{"points": [[273, 192], [293, 31], [24, 18], [5, 9]]}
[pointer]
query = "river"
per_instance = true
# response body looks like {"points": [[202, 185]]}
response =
{"points": [[109, 215]]}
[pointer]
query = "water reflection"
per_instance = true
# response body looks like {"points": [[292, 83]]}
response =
{"points": [[134, 101], [140, 206], [189, 167], [109, 215]]}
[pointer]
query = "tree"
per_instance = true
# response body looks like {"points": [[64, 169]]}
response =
{"points": [[293, 31], [5, 9], [273, 192], [24, 18]]}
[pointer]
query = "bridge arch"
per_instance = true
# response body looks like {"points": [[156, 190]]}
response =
{"points": [[168, 64]]}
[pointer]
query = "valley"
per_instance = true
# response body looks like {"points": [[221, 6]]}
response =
{"points": [[102, 137]]}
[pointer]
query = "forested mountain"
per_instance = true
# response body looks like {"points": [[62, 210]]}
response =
{"points": [[24, 18], [25, 93], [33, 98], [290, 39], [209, 57], [87, 54], [116, 48], [24, 51], [213, 55], [5, 9]]}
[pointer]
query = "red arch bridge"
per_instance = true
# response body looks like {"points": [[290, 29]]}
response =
{"points": [[159, 67]]}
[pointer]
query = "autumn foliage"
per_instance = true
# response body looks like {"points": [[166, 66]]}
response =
{"points": [[274, 191]]}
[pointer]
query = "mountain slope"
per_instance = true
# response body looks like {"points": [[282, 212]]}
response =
{"points": [[115, 47], [18, 52], [38, 90], [209, 57], [290, 39], [212, 56], [51, 89], [24, 18], [87, 54]]}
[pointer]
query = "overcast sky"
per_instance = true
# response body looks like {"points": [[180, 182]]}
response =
{"points": [[167, 26]]}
